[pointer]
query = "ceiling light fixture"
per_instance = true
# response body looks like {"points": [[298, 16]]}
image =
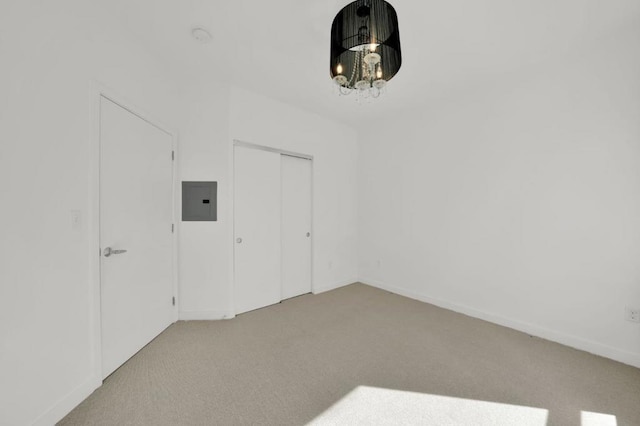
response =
{"points": [[365, 48]]}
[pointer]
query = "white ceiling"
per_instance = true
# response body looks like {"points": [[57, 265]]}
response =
{"points": [[280, 48]]}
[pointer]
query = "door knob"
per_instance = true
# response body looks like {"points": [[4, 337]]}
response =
{"points": [[238, 240], [109, 251], [308, 234]]}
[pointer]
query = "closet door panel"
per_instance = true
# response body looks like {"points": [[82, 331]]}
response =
{"points": [[257, 231], [296, 226]]}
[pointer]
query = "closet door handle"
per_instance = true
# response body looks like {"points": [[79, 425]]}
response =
{"points": [[238, 240]]}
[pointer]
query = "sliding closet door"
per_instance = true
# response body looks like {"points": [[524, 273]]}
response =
{"points": [[296, 226], [257, 216]]}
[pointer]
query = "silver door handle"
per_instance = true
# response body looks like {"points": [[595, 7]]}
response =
{"points": [[109, 251], [238, 240]]}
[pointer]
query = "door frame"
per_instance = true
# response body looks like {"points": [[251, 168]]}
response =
{"points": [[232, 162], [98, 92]]}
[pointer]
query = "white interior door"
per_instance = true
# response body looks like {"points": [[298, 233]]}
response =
{"points": [[136, 197], [257, 207], [296, 226]]}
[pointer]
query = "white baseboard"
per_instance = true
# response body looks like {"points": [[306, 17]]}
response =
{"points": [[328, 287], [204, 315], [576, 342], [64, 406]]}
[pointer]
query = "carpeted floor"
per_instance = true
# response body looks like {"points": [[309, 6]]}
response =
{"points": [[359, 355]]}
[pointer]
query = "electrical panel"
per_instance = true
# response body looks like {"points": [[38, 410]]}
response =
{"points": [[199, 201]]}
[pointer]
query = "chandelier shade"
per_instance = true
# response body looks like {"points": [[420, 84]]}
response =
{"points": [[365, 46]]}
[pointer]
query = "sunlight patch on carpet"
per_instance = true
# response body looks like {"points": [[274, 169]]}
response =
{"points": [[369, 405], [588, 418]]}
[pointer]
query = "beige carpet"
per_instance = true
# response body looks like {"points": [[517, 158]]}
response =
{"points": [[359, 355]]}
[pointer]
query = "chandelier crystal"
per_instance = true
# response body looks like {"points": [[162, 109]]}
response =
{"points": [[365, 48]]}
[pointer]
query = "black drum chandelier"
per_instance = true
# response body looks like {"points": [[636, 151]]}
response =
{"points": [[365, 48]]}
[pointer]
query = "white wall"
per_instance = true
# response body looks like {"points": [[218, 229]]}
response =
{"points": [[50, 53], [204, 262], [519, 203], [217, 115], [259, 120]]}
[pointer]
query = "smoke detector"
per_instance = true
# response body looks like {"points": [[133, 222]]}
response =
{"points": [[201, 35]]}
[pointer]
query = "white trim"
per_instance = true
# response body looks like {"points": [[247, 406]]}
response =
{"points": [[333, 286], [67, 403], [251, 145], [128, 105], [281, 225], [205, 315], [576, 342], [97, 92], [312, 230], [94, 233], [176, 229], [232, 221]]}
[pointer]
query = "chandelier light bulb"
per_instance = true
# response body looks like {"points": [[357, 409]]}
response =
{"points": [[339, 68]]}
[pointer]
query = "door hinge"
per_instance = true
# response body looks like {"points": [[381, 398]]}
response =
{"points": [[173, 300], [173, 155], [172, 228]]}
